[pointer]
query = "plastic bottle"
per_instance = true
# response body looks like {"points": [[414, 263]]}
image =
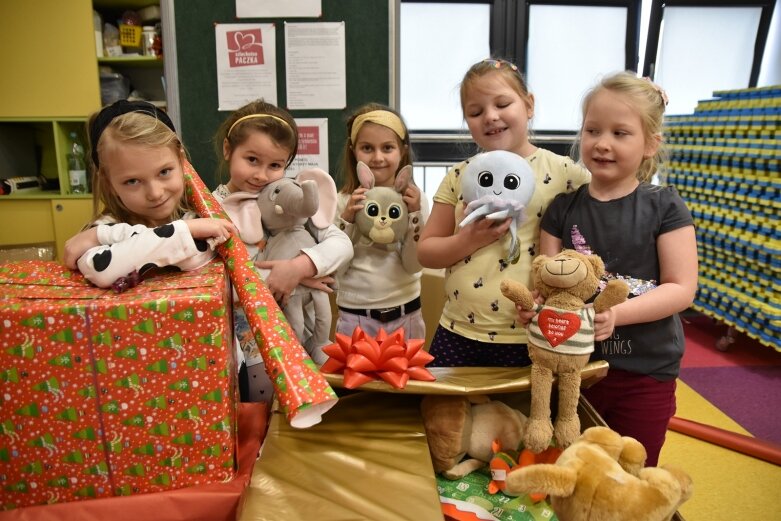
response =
{"points": [[148, 40], [77, 170], [97, 25]]}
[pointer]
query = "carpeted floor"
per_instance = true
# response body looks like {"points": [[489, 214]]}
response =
{"points": [[744, 382], [738, 391]]}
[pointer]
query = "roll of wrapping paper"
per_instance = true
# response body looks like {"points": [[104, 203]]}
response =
{"points": [[302, 391], [761, 449]]}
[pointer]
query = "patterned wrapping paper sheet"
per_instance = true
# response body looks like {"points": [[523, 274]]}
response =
{"points": [[106, 394], [302, 391]]}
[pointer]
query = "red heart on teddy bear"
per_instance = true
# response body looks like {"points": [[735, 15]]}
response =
{"points": [[558, 327]]}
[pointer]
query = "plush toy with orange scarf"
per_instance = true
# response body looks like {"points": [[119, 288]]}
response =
{"points": [[461, 430], [506, 461]]}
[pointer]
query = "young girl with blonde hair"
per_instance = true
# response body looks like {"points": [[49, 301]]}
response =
{"points": [[142, 218], [380, 287], [479, 327], [645, 235]]}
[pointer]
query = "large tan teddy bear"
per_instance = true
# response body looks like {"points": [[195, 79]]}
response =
{"points": [[561, 337], [601, 477], [459, 426]]}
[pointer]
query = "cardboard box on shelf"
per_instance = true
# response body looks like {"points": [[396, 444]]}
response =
{"points": [[110, 394]]}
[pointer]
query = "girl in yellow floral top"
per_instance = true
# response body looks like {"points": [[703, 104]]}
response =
{"points": [[479, 327]]}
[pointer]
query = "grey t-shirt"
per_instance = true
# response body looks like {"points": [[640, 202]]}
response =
{"points": [[623, 233]]}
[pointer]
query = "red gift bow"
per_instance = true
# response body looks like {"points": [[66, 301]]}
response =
{"points": [[362, 358]]}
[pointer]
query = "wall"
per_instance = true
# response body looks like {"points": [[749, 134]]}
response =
{"points": [[367, 65]]}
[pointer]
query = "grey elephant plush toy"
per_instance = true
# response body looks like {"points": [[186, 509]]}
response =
{"points": [[383, 219], [285, 207], [277, 221]]}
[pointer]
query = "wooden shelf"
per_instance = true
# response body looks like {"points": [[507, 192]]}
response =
{"points": [[136, 61], [50, 88], [42, 194]]}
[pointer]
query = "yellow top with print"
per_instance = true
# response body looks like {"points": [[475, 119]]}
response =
{"points": [[474, 306]]}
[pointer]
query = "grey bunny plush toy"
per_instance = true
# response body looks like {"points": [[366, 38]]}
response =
{"points": [[383, 219]]}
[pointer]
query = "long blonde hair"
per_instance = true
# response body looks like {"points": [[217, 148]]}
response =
{"points": [[137, 128], [649, 101]]}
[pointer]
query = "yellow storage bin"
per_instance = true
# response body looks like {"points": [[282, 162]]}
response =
{"points": [[129, 35]]}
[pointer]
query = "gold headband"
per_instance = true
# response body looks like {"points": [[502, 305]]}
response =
{"points": [[252, 116], [380, 117]]}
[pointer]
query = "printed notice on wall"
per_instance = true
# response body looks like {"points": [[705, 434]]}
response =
{"points": [[315, 65], [278, 8], [246, 64], [312, 146]]}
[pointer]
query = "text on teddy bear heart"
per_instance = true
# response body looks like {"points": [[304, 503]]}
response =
{"points": [[558, 327]]}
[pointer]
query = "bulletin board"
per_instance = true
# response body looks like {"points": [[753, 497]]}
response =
{"points": [[367, 67]]}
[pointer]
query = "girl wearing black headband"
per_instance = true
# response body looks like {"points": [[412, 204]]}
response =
{"points": [[142, 220]]}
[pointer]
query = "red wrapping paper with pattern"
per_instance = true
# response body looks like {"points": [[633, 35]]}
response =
{"points": [[210, 502], [303, 393], [112, 395]]}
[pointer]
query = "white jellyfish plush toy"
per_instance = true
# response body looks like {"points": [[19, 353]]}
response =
{"points": [[497, 185]]}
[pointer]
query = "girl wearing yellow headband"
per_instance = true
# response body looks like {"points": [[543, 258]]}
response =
{"points": [[380, 288]]}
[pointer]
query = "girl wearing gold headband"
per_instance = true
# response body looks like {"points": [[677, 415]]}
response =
{"points": [[254, 146], [380, 288]]}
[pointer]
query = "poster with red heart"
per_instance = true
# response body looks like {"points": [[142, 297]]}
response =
{"points": [[246, 64]]}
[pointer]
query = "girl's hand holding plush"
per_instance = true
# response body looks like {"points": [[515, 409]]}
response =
{"points": [[483, 232], [78, 245], [604, 324], [319, 283], [285, 275], [218, 229], [354, 205], [526, 316], [411, 197]]}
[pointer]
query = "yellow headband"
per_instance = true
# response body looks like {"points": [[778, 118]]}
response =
{"points": [[252, 116], [380, 117]]}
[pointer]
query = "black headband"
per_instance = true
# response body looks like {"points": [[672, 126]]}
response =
{"points": [[120, 107]]}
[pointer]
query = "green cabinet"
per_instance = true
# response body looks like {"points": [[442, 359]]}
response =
{"points": [[41, 220]]}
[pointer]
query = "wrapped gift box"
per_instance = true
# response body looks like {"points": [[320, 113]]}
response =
{"points": [[107, 394], [369, 458], [210, 502]]}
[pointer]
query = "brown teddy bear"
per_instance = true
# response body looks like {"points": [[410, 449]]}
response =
{"points": [[601, 477], [457, 426], [561, 337]]}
